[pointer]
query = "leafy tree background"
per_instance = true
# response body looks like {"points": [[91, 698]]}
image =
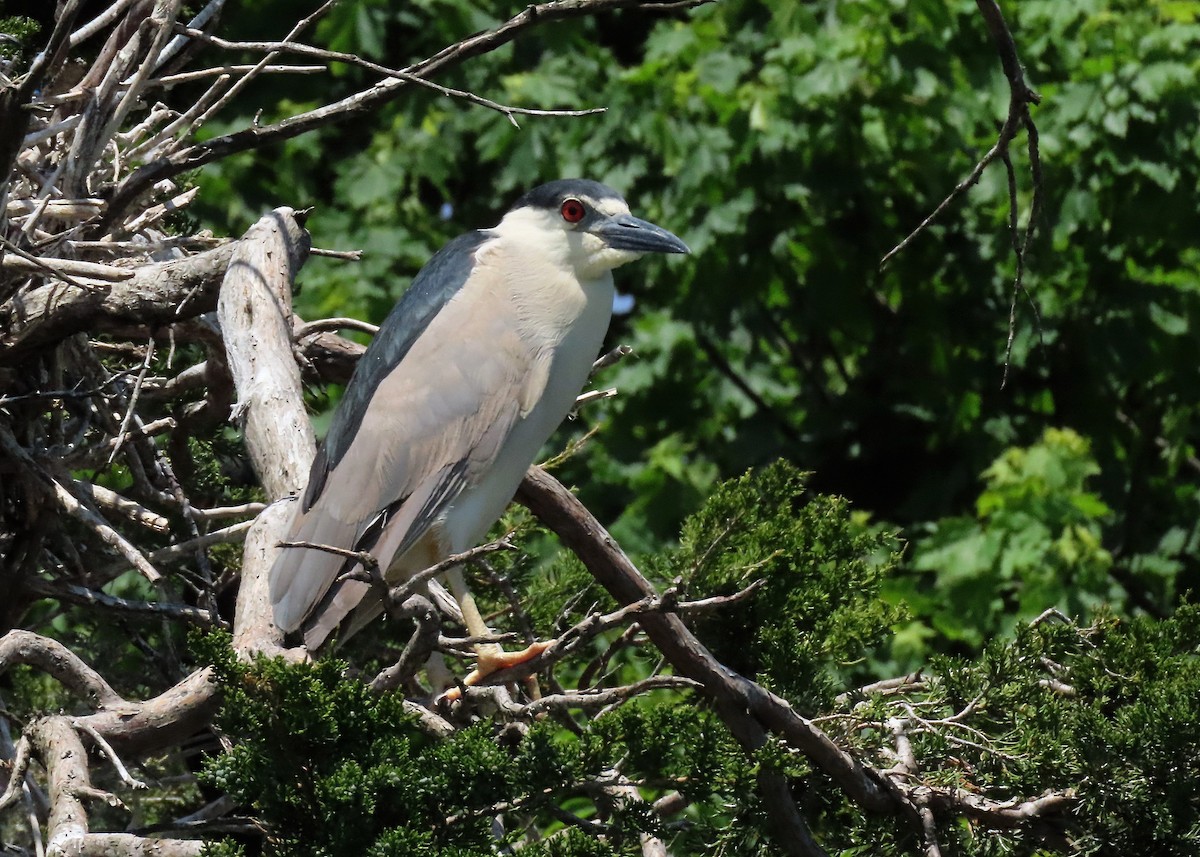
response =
{"points": [[955, 495], [791, 146]]}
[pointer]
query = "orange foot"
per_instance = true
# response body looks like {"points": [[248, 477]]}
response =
{"points": [[493, 660]]}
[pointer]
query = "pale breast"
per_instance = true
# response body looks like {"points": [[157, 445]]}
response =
{"points": [[566, 323]]}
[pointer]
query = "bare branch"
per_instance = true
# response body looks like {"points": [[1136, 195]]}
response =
{"points": [[16, 772], [74, 594], [610, 358], [289, 46], [420, 645], [217, 512], [106, 498], [1021, 96], [118, 765], [145, 177], [159, 722], [596, 699], [57, 661], [200, 74], [74, 507], [321, 325], [158, 293], [255, 314], [746, 707]]}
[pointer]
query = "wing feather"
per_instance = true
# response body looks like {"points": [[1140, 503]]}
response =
{"points": [[435, 422]]}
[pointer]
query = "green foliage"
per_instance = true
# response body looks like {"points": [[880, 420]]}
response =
{"points": [[818, 610], [333, 768], [1102, 713], [791, 145], [22, 30], [1034, 542], [1120, 732]]}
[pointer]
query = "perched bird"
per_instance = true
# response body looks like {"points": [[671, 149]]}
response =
{"points": [[470, 374]]}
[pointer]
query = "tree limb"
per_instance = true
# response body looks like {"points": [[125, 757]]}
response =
{"points": [[360, 103]]}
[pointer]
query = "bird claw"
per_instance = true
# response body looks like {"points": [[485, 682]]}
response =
{"points": [[490, 661]]}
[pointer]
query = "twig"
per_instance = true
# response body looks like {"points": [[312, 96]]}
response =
{"points": [[596, 623], [901, 684], [133, 399], [200, 74], [245, 79], [192, 157], [323, 324], [78, 510], [228, 511], [99, 22], [363, 558], [399, 594], [288, 46], [17, 769], [1020, 97], [60, 269], [210, 13], [81, 595], [118, 765], [597, 698], [593, 396], [161, 20], [610, 358], [106, 498], [347, 255]]}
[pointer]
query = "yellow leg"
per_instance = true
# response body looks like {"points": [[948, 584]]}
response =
{"points": [[490, 656]]}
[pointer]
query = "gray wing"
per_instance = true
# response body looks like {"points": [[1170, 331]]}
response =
{"points": [[433, 287], [434, 423]]}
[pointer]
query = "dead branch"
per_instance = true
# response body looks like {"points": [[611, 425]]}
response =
{"points": [[1021, 96], [161, 721], [57, 743], [59, 662], [599, 698], [419, 647], [156, 294], [16, 773], [145, 177], [747, 707], [289, 46], [256, 325], [255, 313], [73, 593]]}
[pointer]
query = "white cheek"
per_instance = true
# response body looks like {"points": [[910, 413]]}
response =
{"points": [[598, 257]]}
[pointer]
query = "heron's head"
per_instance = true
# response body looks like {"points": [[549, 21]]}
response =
{"points": [[586, 225]]}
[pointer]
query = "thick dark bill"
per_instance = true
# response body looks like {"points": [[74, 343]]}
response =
{"points": [[626, 232]]}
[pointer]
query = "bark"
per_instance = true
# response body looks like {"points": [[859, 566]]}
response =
{"points": [[155, 294]]}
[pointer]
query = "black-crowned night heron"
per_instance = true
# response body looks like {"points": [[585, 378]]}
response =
{"points": [[467, 378]]}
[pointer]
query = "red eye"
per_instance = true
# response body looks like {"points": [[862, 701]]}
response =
{"points": [[573, 211]]}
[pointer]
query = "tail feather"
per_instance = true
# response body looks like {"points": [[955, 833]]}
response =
{"points": [[301, 576]]}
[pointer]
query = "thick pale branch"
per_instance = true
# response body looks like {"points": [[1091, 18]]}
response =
{"points": [[56, 660], [163, 720], [255, 313], [61, 750], [156, 294]]}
